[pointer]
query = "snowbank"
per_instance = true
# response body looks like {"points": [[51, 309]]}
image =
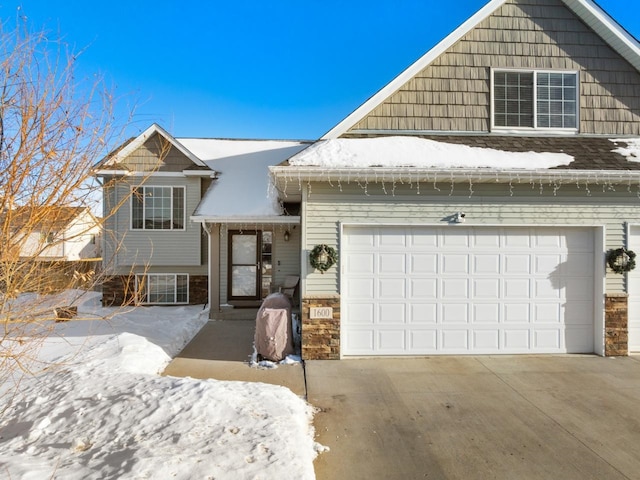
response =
{"points": [[103, 412]]}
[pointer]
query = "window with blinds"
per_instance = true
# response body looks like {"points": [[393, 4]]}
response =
{"points": [[535, 99]]}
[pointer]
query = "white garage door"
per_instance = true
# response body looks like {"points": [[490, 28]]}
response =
{"points": [[467, 290], [634, 293]]}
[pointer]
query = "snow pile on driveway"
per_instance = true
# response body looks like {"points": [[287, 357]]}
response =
{"points": [[102, 411]]}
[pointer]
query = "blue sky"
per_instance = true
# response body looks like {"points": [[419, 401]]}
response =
{"points": [[288, 69]]}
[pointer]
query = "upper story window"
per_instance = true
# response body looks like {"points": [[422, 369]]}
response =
{"points": [[157, 208], [535, 99]]}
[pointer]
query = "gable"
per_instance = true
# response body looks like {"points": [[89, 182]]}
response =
{"points": [[453, 92], [156, 154]]}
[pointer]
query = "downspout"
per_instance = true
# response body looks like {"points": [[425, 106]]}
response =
{"points": [[207, 229]]}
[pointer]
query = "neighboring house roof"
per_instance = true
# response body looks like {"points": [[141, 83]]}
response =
{"points": [[48, 218], [587, 10], [242, 191], [114, 158]]}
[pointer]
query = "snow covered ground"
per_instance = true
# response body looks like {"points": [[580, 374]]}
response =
{"points": [[102, 411]]}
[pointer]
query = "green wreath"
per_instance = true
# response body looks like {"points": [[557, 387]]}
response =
{"points": [[323, 257], [621, 260]]}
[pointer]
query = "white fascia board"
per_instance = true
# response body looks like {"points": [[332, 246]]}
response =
{"points": [[129, 173], [200, 173], [274, 220], [609, 30], [413, 70], [144, 136], [291, 175]]}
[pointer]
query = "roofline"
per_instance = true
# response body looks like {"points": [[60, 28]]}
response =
{"points": [[431, 175], [590, 12], [279, 219], [143, 137]]}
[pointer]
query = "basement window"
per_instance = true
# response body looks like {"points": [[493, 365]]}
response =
{"points": [[162, 288]]}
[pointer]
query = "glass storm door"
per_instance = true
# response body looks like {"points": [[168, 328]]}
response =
{"points": [[244, 265]]}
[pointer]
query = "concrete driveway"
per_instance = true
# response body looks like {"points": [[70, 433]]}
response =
{"points": [[507, 417]]}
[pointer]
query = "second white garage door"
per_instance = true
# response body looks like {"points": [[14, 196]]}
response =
{"points": [[466, 290]]}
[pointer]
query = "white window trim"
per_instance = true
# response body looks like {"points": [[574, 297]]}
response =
{"points": [[143, 229], [175, 291], [535, 127]]}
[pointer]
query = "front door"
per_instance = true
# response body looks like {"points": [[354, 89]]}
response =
{"points": [[249, 265], [244, 265]]}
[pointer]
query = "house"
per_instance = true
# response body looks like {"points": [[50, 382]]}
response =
{"points": [[49, 248], [485, 201], [196, 221], [472, 200], [54, 233]]}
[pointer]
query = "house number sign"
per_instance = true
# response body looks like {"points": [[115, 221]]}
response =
{"points": [[321, 312]]}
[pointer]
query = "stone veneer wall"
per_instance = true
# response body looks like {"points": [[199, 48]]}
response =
{"points": [[120, 290], [616, 314], [321, 336]]}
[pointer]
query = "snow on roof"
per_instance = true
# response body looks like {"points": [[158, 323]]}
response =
{"points": [[419, 152], [631, 151], [242, 189]]}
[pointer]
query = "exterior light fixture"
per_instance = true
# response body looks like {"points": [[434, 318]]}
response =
{"points": [[287, 235]]}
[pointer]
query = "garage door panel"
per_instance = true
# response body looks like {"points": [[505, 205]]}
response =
{"points": [[391, 341], [454, 288], [391, 264], [548, 313], [517, 288], [578, 313], [423, 313], [455, 264], [360, 338], [362, 238], [361, 288], [360, 263], [390, 238], [485, 313], [518, 313], [517, 239], [455, 313], [547, 289], [455, 238], [455, 341], [485, 288], [486, 264], [391, 313], [423, 288], [578, 289], [391, 288], [423, 263], [579, 265], [486, 340], [463, 289], [486, 238], [360, 313], [516, 264], [423, 341], [516, 340], [548, 264], [546, 339]]}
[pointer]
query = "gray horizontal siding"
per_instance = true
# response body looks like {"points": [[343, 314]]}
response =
{"points": [[158, 248], [453, 93], [326, 208]]}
